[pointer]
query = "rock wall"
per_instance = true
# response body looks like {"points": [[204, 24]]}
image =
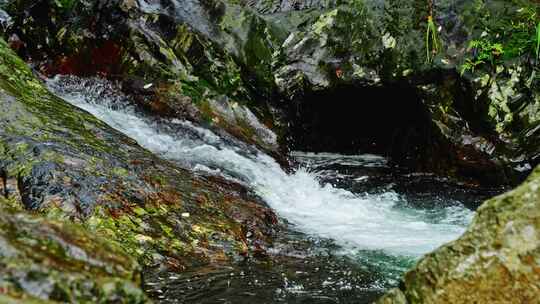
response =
{"points": [[477, 79], [176, 60], [204, 62]]}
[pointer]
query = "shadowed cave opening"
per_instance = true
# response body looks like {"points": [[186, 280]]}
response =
{"points": [[390, 121]]}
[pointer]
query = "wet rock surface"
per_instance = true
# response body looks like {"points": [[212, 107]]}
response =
{"points": [[48, 260], [176, 59]]}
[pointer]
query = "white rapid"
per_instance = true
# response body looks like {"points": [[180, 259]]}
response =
{"points": [[356, 222]]}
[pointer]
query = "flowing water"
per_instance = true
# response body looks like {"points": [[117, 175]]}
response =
{"points": [[356, 223]]}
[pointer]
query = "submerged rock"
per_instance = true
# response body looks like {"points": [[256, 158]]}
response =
{"points": [[495, 261]]}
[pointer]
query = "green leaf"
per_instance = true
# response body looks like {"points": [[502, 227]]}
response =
{"points": [[538, 41], [432, 39]]}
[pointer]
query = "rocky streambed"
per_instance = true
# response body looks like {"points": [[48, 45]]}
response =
{"points": [[145, 152]]}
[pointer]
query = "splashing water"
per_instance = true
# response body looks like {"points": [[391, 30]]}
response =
{"points": [[357, 222]]}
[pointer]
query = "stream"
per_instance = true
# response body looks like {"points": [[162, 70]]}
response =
{"points": [[355, 223]]}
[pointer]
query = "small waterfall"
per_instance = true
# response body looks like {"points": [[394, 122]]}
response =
{"points": [[380, 222]]}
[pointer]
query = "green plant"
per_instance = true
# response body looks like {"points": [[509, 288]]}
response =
{"points": [[538, 41], [432, 40], [484, 52], [506, 37]]}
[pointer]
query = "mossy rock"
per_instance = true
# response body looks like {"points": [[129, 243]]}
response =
{"points": [[383, 44], [44, 260], [495, 261]]}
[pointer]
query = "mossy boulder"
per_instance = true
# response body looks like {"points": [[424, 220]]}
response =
{"points": [[495, 261], [63, 164]]}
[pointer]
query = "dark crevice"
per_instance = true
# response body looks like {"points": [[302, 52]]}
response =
{"points": [[394, 121], [389, 121]]}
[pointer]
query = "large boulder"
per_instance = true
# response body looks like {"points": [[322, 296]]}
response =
{"points": [[495, 261]]}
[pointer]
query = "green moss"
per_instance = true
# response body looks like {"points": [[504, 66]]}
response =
{"points": [[120, 172], [11, 203], [63, 262], [17, 79], [19, 299]]}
